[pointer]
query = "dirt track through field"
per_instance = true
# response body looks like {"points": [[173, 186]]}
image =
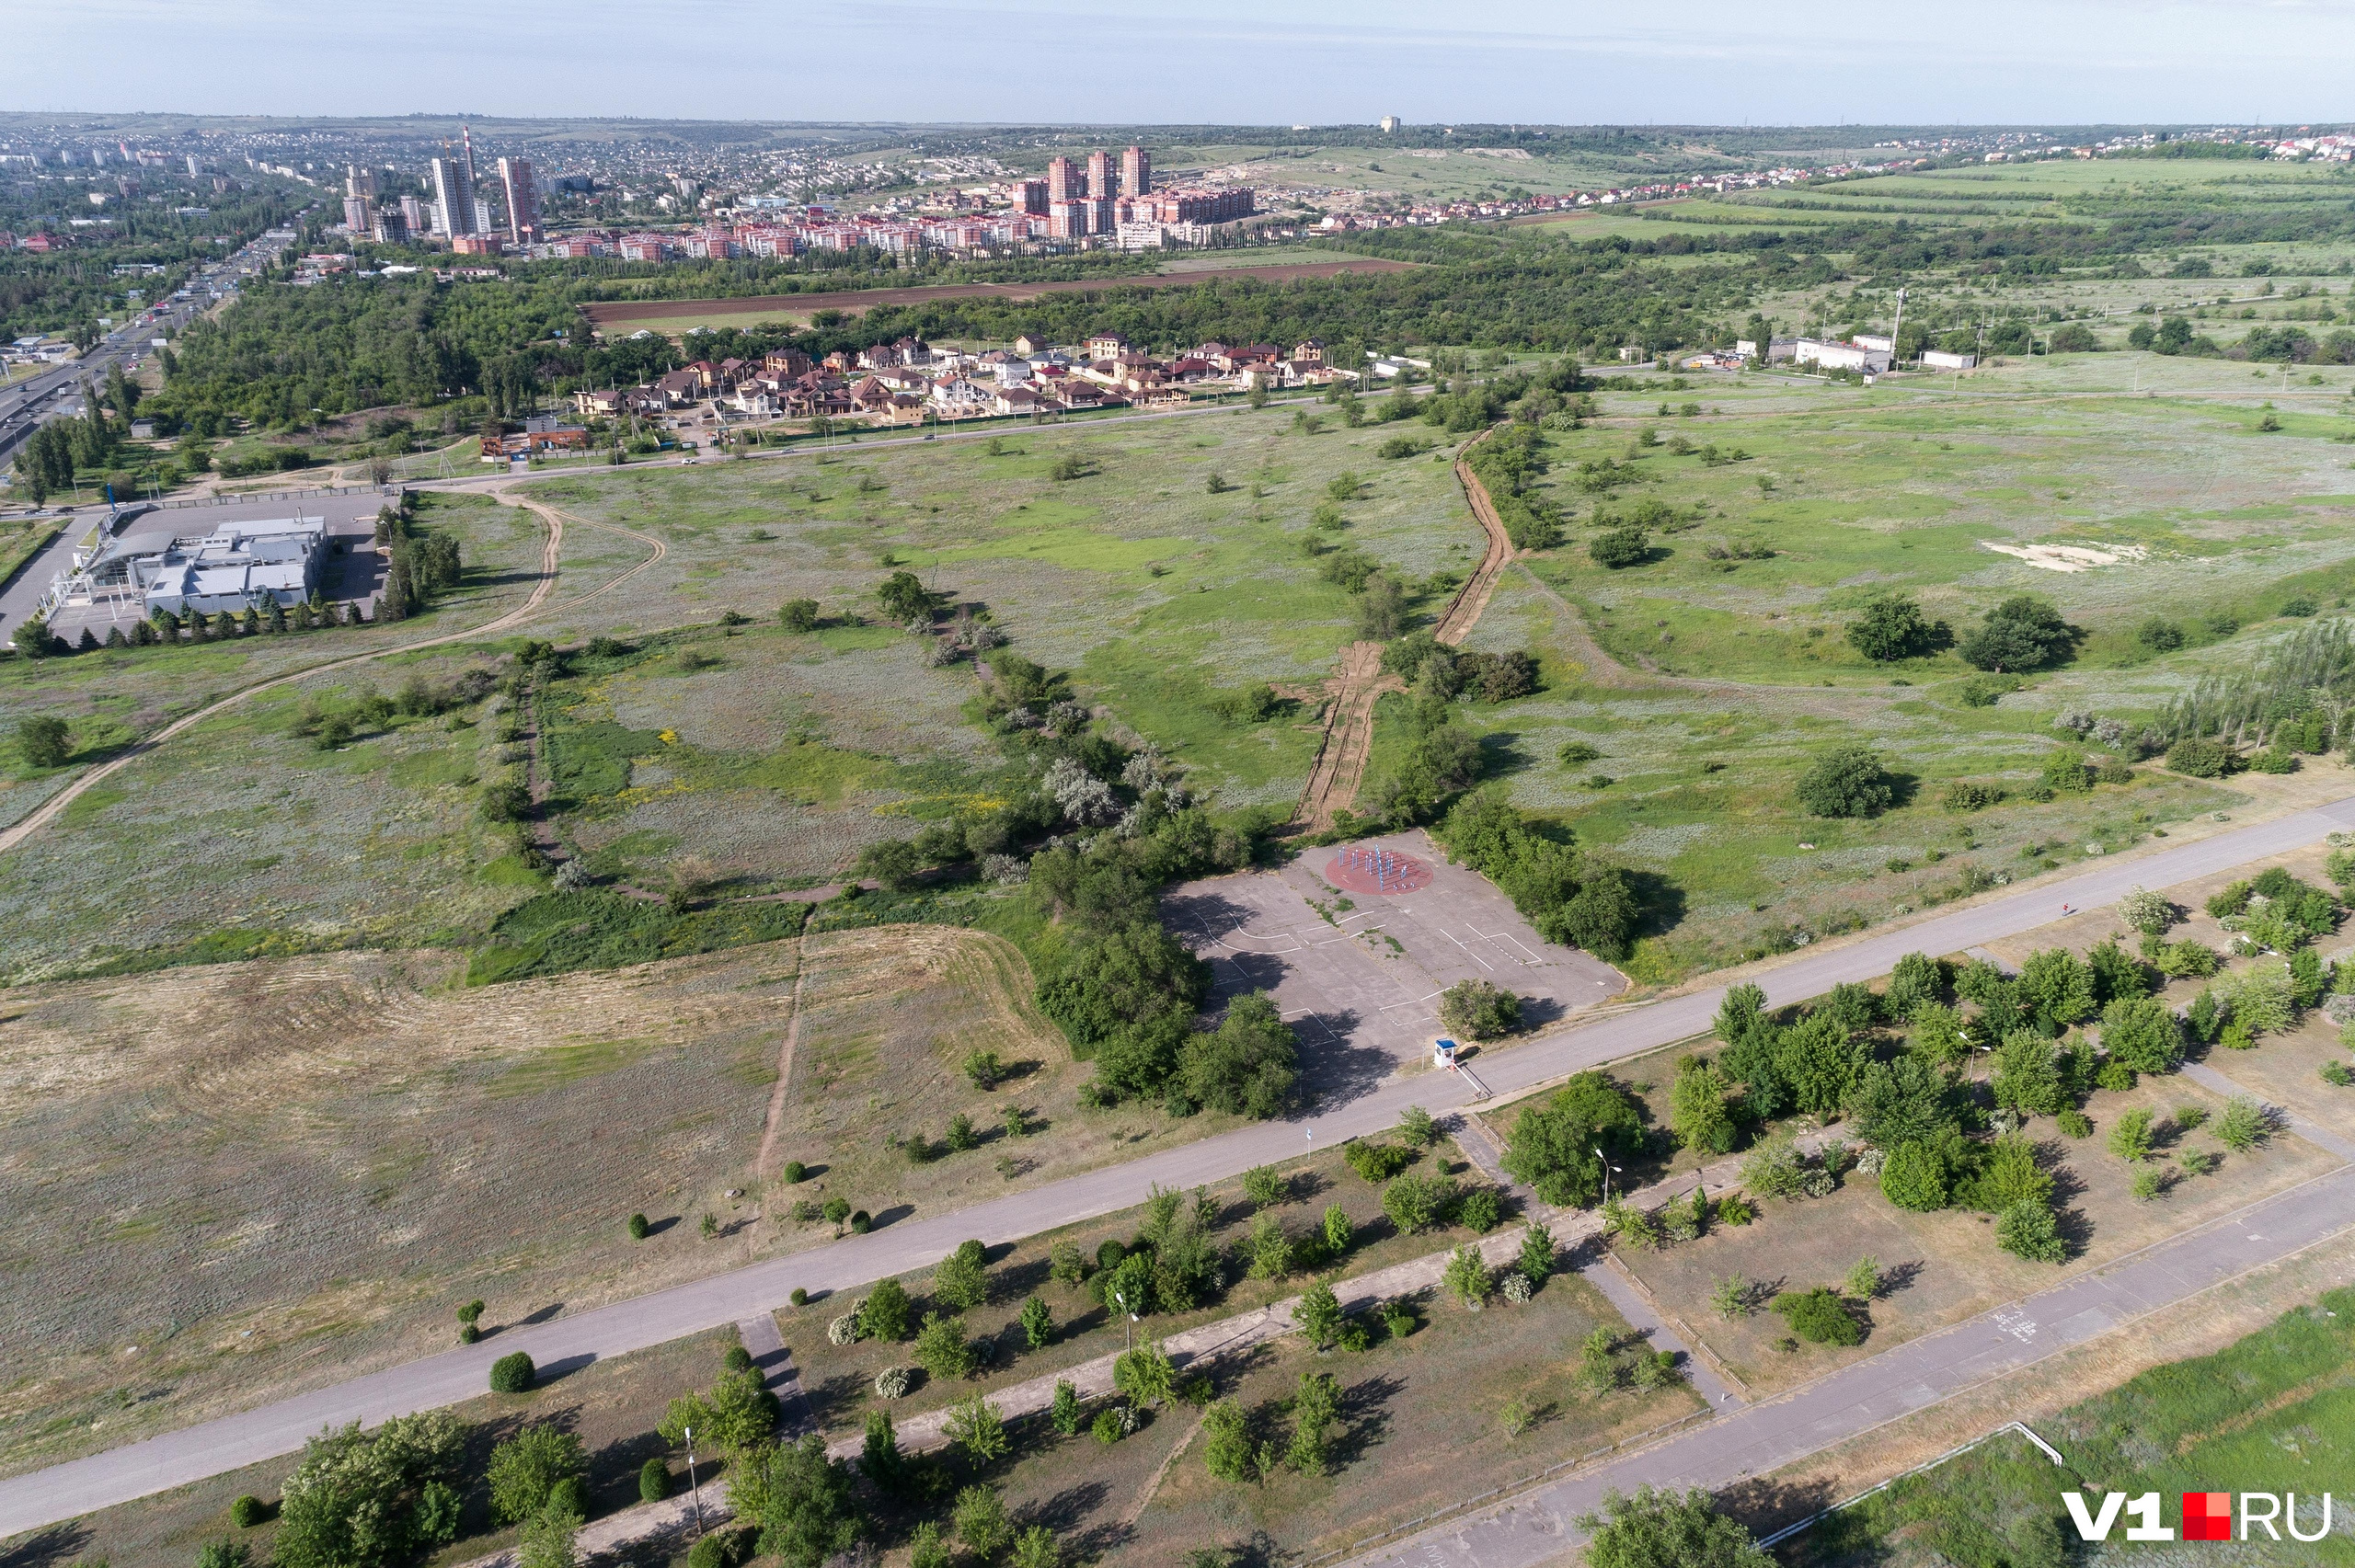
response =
{"points": [[551, 551], [1341, 761], [853, 300]]}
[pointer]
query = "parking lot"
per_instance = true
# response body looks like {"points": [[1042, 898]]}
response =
{"points": [[1357, 942]]}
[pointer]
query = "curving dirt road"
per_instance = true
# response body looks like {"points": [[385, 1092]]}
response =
{"points": [[552, 523]]}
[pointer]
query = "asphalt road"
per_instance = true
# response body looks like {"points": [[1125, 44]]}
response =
{"points": [[1540, 1525], [66, 1491]]}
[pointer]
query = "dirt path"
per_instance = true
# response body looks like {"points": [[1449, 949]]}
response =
{"points": [[51, 809], [1339, 767], [764, 1164]]}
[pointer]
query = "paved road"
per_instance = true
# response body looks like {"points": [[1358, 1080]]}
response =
{"points": [[176, 1459], [1538, 1526]]}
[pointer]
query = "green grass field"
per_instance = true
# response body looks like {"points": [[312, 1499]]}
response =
{"points": [[2274, 1412]]}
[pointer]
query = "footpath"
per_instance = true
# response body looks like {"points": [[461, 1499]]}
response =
{"points": [[81, 1486]]}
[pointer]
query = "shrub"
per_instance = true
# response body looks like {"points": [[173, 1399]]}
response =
{"points": [[42, 741], [249, 1511], [1965, 796], [1614, 548], [653, 1481], [2198, 759], [2022, 632], [2028, 1229], [1847, 780], [2075, 1123], [1479, 1011], [795, 1172], [2242, 1126], [1108, 1427], [1415, 1203], [512, 1373], [1480, 1210], [1377, 1162], [886, 1313], [638, 1228], [1820, 1317], [1914, 1177]]}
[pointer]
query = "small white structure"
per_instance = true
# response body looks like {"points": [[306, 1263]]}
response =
{"points": [[1939, 360], [1886, 343], [1841, 356]]}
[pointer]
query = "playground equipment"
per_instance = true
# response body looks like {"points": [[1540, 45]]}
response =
{"points": [[1444, 1053]]}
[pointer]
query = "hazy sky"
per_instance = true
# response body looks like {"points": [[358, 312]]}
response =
{"points": [[1710, 62]]}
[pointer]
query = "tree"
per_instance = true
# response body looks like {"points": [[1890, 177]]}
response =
{"points": [[1700, 1106], [973, 1425], [1127, 993], [1818, 1062], [1144, 1373], [798, 614], [942, 1349], [1318, 1313], [1038, 1323], [738, 1416], [2022, 632], [904, 598], [1892, 626], [42, 741], [1227, 1450], [2028, 1229], [1466, 1274], [1914, 1176], [1536, 1262], [2027, 1074], [524, 1467], [1660, 1529], [547, 1540], [961, 1282], [886, 1313], [1477, 1009], [1916, 979], [371, 1501], [1897, 1100], [1246, 1066], [2143, 1032], [1035, 1548], [1315, 1405], [1847, 780], [1415, 1202], [31, 638], [1553, 1143], [2057, 987], [1064, 1414], [800, 1501]]}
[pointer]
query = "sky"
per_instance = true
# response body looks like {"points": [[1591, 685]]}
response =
{"points": [[1242, 61]]}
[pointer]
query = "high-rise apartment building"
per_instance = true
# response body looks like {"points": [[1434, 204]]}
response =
{"points": [[416, 215], [1100, 176], [454, 198], [359, 199], [1136, 172], [1059, 182], [523, 201]]}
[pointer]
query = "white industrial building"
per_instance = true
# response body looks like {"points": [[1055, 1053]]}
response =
{"points": [[242, 563], [1939, 360], [1843, 356]]}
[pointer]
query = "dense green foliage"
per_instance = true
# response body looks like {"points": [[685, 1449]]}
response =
{"points": [[1554, 1140], [552, 933], [1570, 896], [377, 1500]]}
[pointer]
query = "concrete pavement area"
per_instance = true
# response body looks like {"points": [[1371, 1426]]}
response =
{"points": [[1356, 943], [79, 1486]]}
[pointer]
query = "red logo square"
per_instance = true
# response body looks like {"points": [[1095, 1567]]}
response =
{"points": [[2207, 1516]]}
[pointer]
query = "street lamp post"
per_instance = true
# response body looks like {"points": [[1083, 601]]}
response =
{"points": [[1607, 1167], [694, 1490]]}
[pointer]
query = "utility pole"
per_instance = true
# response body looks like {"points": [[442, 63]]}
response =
{"points": [[1895, 352]]}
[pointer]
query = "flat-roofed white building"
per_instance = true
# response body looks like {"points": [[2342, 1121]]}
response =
{"points": [[1841, 356], [1939, 360]]}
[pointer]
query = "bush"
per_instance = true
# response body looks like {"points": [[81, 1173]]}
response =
{"points": [[2028, 1229], [2022, 632], [1480, 1210], [795, 1172], [1820, 1316], [798, 614], [653, 1481], [42, 741], [1892, 626], [638, 1228], [2075, 1123], [1477, 1009], [1614, 548], [2198, 759], [1376, 1163], [249, 1511], [1847, 780], [512, 1373]]}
